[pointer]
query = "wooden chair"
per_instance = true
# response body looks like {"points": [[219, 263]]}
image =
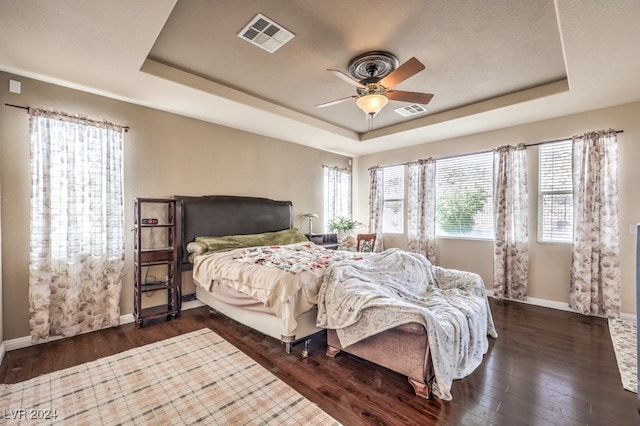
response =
{"points": [[365, 242]]}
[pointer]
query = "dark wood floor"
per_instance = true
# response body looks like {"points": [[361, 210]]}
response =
{"points": [[547, 367]]}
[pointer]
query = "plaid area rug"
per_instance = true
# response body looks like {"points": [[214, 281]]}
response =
{"points": [[624, 338], [193, 378]]}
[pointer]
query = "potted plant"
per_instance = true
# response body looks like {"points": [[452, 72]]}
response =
{"points": [[343, 226]]}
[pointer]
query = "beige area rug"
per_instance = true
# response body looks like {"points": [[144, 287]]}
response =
{"points": [[624, 338], [193, 378]]}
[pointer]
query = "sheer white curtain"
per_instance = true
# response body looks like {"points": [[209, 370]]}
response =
{"points": [[595, 266], [376, 204], [338, 193], [511, 242], [421, 208], [76, 225]]}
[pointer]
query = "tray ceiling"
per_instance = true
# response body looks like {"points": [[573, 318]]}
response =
{"points": [[490, 64]]}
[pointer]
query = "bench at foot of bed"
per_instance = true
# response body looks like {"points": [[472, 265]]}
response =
{"points": [[403, 349]]}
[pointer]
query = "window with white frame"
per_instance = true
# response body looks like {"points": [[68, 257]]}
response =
{"points": [[555, 193], [464, 196], [337, 194], [393, 189]]}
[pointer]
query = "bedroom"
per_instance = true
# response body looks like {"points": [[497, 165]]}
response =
{"points": [[167, 153]]}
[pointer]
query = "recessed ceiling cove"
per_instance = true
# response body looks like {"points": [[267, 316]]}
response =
{"points": [[472, 51]]}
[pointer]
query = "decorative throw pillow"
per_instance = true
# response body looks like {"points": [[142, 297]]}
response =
{"points": [[366, 246], [196, 247]]}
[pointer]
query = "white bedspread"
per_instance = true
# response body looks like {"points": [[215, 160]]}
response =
{"points": [[404, 286]]}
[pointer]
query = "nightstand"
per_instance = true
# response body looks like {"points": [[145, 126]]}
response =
{"points": [[329, 241]]}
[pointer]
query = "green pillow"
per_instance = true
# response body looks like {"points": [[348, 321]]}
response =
{"points": [[229, 242]]}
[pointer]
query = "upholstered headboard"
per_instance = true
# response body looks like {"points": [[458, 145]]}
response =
{"points": [[217, 215]]}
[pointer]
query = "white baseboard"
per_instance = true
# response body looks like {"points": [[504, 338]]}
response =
{"points": [[23, 342], [553, 304]]}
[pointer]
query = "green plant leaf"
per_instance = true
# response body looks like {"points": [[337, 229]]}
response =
{"points": [[341, 223]]}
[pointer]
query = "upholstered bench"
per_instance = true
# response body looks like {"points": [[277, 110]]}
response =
{"points": [[403, 349]]}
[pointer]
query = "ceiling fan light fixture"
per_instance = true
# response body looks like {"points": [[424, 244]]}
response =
{"points": [[372, 104]]}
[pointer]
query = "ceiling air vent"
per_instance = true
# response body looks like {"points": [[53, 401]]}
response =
{"points": [[265, 33], [412, 109]]}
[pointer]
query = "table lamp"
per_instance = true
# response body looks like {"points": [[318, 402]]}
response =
{"points": [[310, 216]]}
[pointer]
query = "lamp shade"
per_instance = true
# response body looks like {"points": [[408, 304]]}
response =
{"points": [[372, 104]]}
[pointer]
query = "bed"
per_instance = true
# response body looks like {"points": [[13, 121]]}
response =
{"points": [[392, 308], [219, 216]]}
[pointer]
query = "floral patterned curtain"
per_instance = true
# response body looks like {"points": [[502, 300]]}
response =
{"points": [[376, 205], [76, 225], [338, 193], [595, 273], [421, 208], [511, 245]]}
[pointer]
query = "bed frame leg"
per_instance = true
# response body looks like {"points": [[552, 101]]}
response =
{"points": [[288, 346]]}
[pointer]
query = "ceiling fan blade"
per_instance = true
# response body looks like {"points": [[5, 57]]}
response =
{"points": [[413, 97], [337, 101], [346, 78], [403, 72]]}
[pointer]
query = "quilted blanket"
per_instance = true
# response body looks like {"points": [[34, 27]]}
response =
{"points": [[294, 258], [400, 287]]}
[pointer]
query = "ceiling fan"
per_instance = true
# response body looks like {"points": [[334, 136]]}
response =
{"points": [[374, 74]]}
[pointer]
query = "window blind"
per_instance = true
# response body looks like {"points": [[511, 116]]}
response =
{"points": [[555, 190], [337, 194], [464, 196], [393, 189]]}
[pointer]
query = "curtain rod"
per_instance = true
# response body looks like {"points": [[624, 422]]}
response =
{"points": [[126, 128], [485, 151]]}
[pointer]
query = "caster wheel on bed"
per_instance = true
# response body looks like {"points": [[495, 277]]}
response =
{"points": [[305, 351], [139, 323]]}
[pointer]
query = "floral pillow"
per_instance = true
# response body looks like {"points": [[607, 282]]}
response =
{"points": [[366, 246]]}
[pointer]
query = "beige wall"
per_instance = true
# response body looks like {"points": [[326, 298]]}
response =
{"points": [[549, 263], [165, 155]]}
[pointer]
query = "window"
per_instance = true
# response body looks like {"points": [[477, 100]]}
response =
{"points": [[555, 193], [464, 196], [337, 194], [393, 211], [76, 224]]}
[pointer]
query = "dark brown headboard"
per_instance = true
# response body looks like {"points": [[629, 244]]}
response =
{"points": [[217, 215]]}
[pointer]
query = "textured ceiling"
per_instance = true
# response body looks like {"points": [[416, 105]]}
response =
{"points": [[490, 63], [473, 50]]}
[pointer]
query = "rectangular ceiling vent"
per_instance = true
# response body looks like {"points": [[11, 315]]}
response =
{"points": [[409, 110], [265, 33]]}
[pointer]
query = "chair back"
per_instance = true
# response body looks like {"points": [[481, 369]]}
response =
{"points": [[365, 242]]}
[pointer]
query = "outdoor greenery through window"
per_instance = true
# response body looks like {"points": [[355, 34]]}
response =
{"points": [[555, 191], [393, 188], [464, 196]]}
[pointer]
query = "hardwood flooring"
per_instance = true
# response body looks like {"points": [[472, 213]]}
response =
{"points": [[547, 367]]}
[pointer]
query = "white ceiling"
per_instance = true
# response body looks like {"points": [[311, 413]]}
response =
{"points": [[490, 63]]}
